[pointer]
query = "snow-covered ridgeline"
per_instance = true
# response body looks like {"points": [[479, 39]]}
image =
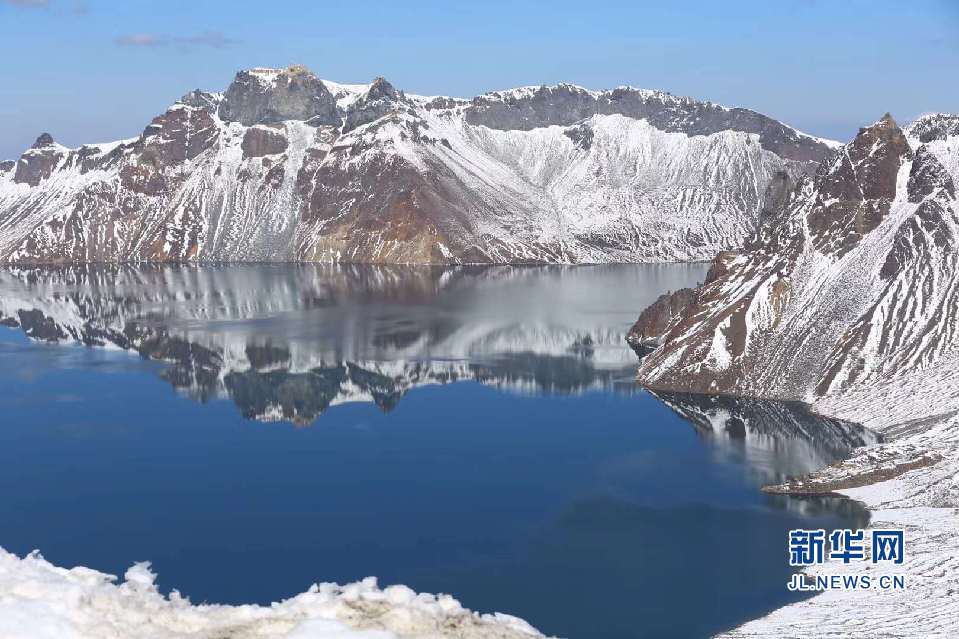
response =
{"points": [[284, 166], [43, 601]]}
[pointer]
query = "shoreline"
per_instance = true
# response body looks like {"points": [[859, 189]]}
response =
{"points": [[907, 481]]}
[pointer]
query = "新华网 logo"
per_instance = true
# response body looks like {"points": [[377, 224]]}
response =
{"points": [[812, 547]]}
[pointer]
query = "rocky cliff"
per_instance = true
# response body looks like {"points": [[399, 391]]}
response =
{"points": [[285, 166], [851, 285]]}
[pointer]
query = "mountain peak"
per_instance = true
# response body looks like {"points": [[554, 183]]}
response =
{"points": [[380, 88], [43, 140], [263, 95], [884, 132], [885, 123]]}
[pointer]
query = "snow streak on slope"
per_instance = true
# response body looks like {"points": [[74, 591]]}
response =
{"points": [[284, 166], [849, 299], [855, 282]]}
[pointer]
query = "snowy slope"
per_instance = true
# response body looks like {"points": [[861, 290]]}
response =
{"points": [[854, 283], [284, 166], [848, 299]]}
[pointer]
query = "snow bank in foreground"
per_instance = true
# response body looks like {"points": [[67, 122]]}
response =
{"points": [[39, 601]]}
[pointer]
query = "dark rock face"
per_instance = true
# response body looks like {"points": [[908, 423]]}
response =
{"points": [[180, 134], [935, 127], [39, 161], [927, 175], [566, 104], [201, 100], [380, 100], [264, 140], [442, 102], [545, 106], [302, 397], [7, 165], [265, 96], [857, 186], [582, 135], [658, 318], [267, 355], [36, 325], [44, 140], [777, 195]]}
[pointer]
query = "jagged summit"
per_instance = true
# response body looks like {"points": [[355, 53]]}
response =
{"points": [[380, 88], [855, 281], [43, 140], [260, 96], [199, 99], [286, 166]]}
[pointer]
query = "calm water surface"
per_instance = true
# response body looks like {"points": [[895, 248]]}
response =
{"points": [[254, 429]]}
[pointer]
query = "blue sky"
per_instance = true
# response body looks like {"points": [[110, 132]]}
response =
{"points": [[90, 70]]}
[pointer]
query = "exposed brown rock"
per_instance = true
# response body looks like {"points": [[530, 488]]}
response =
{"points": [[264, 140], [658, 318], [856, 188], [180, 134], [823, 483]]}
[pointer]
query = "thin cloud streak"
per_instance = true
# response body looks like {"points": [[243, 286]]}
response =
{"points": [[30, 4], [138, 40], [212, 39]]}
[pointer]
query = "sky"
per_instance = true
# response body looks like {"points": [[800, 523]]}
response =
{"points": [[93, 71]]}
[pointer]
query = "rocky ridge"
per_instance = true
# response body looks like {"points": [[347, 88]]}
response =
{"points": [[855, 281], [284, 166]]}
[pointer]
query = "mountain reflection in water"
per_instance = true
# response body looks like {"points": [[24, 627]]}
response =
{"points": [[287, 342], [514, 462]]}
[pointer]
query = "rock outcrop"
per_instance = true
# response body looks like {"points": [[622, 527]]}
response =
{"points": [[264, 96], [853, 283], [264, 140], [39, 162], [658, 318]]}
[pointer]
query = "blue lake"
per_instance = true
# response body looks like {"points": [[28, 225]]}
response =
{"points": [[252, 430]]}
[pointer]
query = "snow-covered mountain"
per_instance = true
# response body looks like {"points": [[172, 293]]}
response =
{"points": [[285, 166], [855, 282], [848, 298]]}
